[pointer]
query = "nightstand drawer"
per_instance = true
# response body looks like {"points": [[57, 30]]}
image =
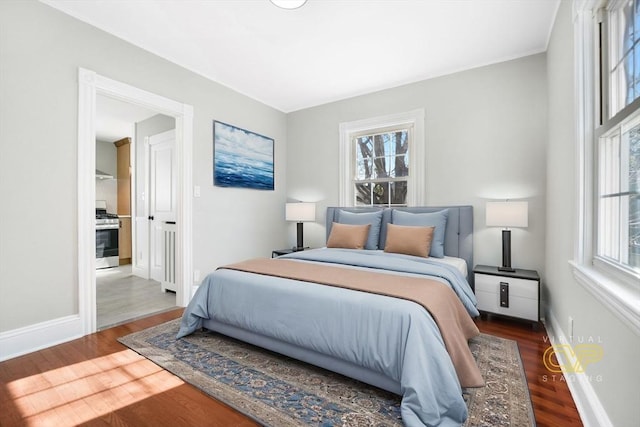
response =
{"points": [[524, 308], [517, 287], [509, 296]]}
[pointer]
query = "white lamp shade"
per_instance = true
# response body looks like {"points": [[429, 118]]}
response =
{"points": [[300, 212], [507, 214]]}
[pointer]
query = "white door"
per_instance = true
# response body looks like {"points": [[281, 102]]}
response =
{"points": [[162, 197]]}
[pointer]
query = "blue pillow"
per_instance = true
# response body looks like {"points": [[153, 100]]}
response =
{"points": [[373, 218], [428, 219]]}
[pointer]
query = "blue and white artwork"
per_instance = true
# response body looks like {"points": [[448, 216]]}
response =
{"points": [[241, 158]]}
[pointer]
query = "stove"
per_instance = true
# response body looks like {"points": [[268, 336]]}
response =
{"points": [[107, 235], [104, 218]]}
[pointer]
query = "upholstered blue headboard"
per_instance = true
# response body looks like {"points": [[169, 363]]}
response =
{"points": [[458, 237]]}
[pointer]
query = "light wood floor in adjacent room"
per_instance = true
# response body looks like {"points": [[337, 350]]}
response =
{"points": [[96, 381], [121, 297]]}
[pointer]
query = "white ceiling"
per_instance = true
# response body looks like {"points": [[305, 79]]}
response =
{"points": [[328, 49], [115, 119]]}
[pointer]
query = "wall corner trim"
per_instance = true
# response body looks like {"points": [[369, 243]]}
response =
{"points": [[18, 342], [591, 411]]}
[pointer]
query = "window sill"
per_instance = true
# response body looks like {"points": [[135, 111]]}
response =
{"points": [[621, 299]]}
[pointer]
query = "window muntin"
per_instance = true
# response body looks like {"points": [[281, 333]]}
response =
{"points": [[381, 167]]}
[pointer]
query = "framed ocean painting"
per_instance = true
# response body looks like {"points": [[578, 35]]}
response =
{"points": [[241, 158]]}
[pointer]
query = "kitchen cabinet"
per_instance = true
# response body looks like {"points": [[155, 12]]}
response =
{"points": [[123, 175], [124, 240]]}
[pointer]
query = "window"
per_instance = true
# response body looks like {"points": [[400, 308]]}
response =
{"points": [[382, 161], [608, 125], [617, 150], [619, 195], [381, 168], [607, 72], [624, 56]]}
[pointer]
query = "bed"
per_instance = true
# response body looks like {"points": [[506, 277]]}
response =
{"points": [[387, 341]]}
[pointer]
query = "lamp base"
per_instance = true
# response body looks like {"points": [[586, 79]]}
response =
{"points": [[299, 237], [506, 252]]}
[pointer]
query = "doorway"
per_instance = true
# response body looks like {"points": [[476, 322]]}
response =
{"points": [[91, 85], [122, 297], [122, 157]]}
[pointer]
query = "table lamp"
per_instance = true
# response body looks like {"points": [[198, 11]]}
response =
{"points": [[507, 214], [300, 212]]}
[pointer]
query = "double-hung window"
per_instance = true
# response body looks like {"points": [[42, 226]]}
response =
{"points": [[617, 145], [382, 161], [618, 240], [607, 70], [381, 167]]}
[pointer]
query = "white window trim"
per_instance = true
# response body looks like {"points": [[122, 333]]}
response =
{"points": [[619, 294], [417, 155]]}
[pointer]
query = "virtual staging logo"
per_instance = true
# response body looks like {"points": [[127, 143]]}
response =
{"points": [[564, 360], [571, 359]]}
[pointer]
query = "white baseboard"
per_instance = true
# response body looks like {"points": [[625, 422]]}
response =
{"points": [[589, 406], [32, 338]]}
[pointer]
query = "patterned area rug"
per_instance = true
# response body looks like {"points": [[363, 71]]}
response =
{"points": [[279, 391]]}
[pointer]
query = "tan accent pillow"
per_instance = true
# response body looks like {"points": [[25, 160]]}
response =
{"points": [[348, 236], [408, 240]]}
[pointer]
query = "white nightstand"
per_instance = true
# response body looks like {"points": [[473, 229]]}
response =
{"points": [[515, 294]]}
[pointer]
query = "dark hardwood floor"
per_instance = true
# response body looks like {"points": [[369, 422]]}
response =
{"points": [[95, 380], [552, 402]]}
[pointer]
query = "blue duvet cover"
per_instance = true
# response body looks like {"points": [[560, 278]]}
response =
{"points": [[395, 337]]}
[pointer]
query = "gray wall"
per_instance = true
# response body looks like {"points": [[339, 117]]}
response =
{"points": [[106, 161], [485, 133], [106, 157], [40, 52], [615, 379]]}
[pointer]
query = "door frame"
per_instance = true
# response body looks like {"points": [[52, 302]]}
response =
{"points": [[90, 84]]}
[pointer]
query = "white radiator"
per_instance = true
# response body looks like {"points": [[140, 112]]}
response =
{"points": [[168, 282]]}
